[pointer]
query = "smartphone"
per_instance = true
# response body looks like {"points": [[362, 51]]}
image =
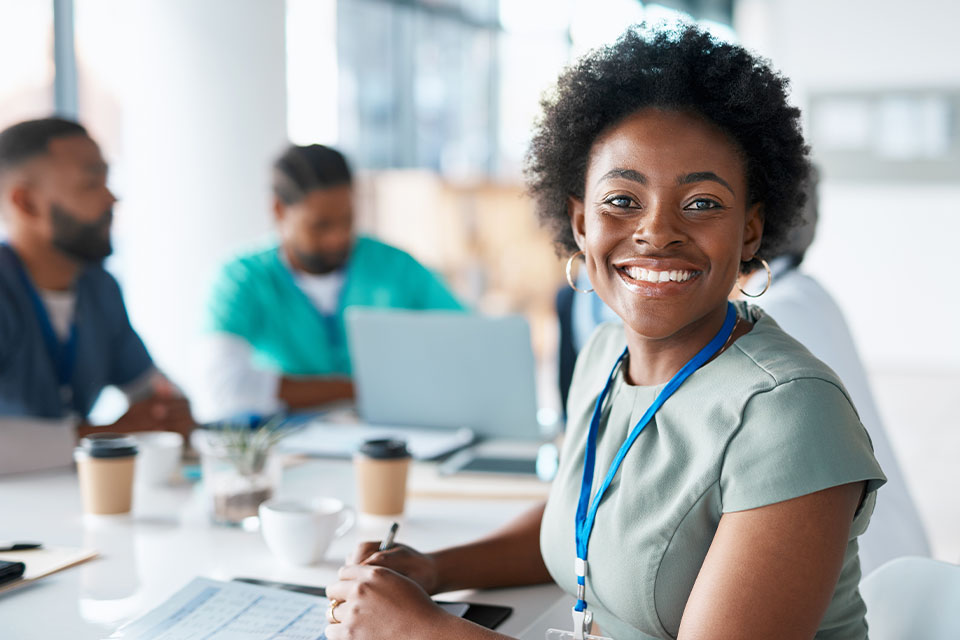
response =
{"points": [[10, 571]]}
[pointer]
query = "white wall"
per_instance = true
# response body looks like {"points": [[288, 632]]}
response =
{"points": [[200, 92], [888, 252]]}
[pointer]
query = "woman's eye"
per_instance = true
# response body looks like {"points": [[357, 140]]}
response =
{"points": [[619, 201], [703, 204]]}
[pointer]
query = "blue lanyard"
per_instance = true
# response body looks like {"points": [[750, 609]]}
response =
{"points": [[63, 355], [587, 511], [329, 320]]}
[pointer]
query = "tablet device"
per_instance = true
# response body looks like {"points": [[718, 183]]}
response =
{"points": [[471, 462], [486, 615]]}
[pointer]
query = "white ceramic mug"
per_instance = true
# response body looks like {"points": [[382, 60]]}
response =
{"points": [[300, 532], [159, 458]]}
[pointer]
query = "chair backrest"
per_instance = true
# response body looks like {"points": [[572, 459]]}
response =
{"points": [[913, 598]]}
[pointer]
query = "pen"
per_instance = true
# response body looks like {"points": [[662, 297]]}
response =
{"points": [[388, 541], [24, 546]]}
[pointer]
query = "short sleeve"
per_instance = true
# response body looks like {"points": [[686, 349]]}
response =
{"points": [[230, 308], [798, 438]]}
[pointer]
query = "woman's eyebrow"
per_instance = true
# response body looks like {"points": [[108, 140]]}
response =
{"points": [[629, 174], [700, 176]]}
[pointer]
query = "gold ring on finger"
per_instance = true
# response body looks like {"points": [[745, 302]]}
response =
{"points": [[331, 611]]}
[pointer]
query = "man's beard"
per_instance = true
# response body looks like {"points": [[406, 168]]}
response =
{"points": [[82, 241], [321, 263]]}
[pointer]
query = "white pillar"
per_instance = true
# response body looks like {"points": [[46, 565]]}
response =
{"points": [[202, 100]]}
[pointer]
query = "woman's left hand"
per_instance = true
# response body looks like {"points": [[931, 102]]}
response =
{"points": [[376, 602]]}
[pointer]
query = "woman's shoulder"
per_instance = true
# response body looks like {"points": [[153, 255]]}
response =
{"points": [[797, 427], [778, 356]]}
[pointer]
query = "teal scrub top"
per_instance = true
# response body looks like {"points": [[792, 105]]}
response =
{"points": [[256, 298]]}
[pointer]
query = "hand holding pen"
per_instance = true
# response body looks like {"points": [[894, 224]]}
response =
{"points": [[406, 561], [387, 542]]}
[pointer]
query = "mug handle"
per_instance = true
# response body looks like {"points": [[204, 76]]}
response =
{"points": [[349, 518]]}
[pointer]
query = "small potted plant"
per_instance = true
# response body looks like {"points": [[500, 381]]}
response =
{"points": [[240, 468]]}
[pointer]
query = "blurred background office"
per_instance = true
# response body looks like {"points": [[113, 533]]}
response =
{"points": [[433, 100]]}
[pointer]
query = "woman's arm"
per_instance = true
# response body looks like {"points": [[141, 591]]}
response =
{"points": [[384, 595], [771, 571], [508, 557]]}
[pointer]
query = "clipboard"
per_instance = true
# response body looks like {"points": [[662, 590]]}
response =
{"points": [[43, 562], [490, 616]]}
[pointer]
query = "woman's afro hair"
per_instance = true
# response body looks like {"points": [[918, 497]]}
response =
{"points": [[683, 70]]}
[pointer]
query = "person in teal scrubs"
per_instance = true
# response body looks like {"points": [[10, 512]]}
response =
{"points": [[275, 320]]}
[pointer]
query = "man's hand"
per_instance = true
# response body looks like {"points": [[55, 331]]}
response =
{"points": [[159, 412]]}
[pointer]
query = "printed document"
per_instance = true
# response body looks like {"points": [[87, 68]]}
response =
{"points": [[215, 610]]}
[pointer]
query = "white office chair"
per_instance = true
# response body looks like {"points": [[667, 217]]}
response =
{"points": [[913, 598]]}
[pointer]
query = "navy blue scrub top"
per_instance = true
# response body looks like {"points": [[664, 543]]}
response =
{"points": [[108, 350]]}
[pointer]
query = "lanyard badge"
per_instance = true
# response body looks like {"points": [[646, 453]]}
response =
{"points": [[587, 509]]}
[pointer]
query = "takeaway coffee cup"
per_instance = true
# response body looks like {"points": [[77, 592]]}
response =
{"points": [[381, 472], [300, 533], [158, 459], [105, 463]]}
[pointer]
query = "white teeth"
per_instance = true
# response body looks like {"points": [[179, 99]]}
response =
{"points": [[648, 275]]}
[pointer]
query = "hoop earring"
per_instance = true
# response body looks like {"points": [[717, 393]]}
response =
{"points": [[570, 272], [769, 281]]}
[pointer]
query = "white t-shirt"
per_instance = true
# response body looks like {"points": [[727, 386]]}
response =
{"points": [[60, 306]]}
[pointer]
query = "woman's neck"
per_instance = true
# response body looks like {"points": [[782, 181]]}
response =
{"points": [[654, 361]]}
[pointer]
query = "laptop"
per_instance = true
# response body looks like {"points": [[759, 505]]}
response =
{"points": [[444, 370], [442, 380]]}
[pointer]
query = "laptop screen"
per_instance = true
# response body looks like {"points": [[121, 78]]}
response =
{"points": [[444, 369]]}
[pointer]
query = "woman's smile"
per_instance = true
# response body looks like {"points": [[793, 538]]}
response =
{"points": [[656, 277], [665, 222]]}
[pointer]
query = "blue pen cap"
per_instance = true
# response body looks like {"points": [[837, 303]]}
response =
{"points": [[108, 445]]}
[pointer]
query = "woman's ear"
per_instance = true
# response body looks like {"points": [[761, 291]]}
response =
{"points": [[752, 233], [575, 210]]}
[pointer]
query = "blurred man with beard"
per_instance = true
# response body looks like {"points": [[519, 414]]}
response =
{"points": [[64, 331], [275, 319]]}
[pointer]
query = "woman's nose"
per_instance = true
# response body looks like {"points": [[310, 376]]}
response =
{"points": [[658, 226]]}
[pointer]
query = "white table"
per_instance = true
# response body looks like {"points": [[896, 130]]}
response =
{"points": [[168, 540]]}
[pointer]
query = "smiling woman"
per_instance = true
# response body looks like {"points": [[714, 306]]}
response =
{"points": [[664, 224], [714, 476]]}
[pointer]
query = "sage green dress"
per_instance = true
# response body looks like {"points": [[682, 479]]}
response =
{"points": [[763, 422]]}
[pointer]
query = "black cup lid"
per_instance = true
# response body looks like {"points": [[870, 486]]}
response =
{"points": [[109, 445], [385, 449]]}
